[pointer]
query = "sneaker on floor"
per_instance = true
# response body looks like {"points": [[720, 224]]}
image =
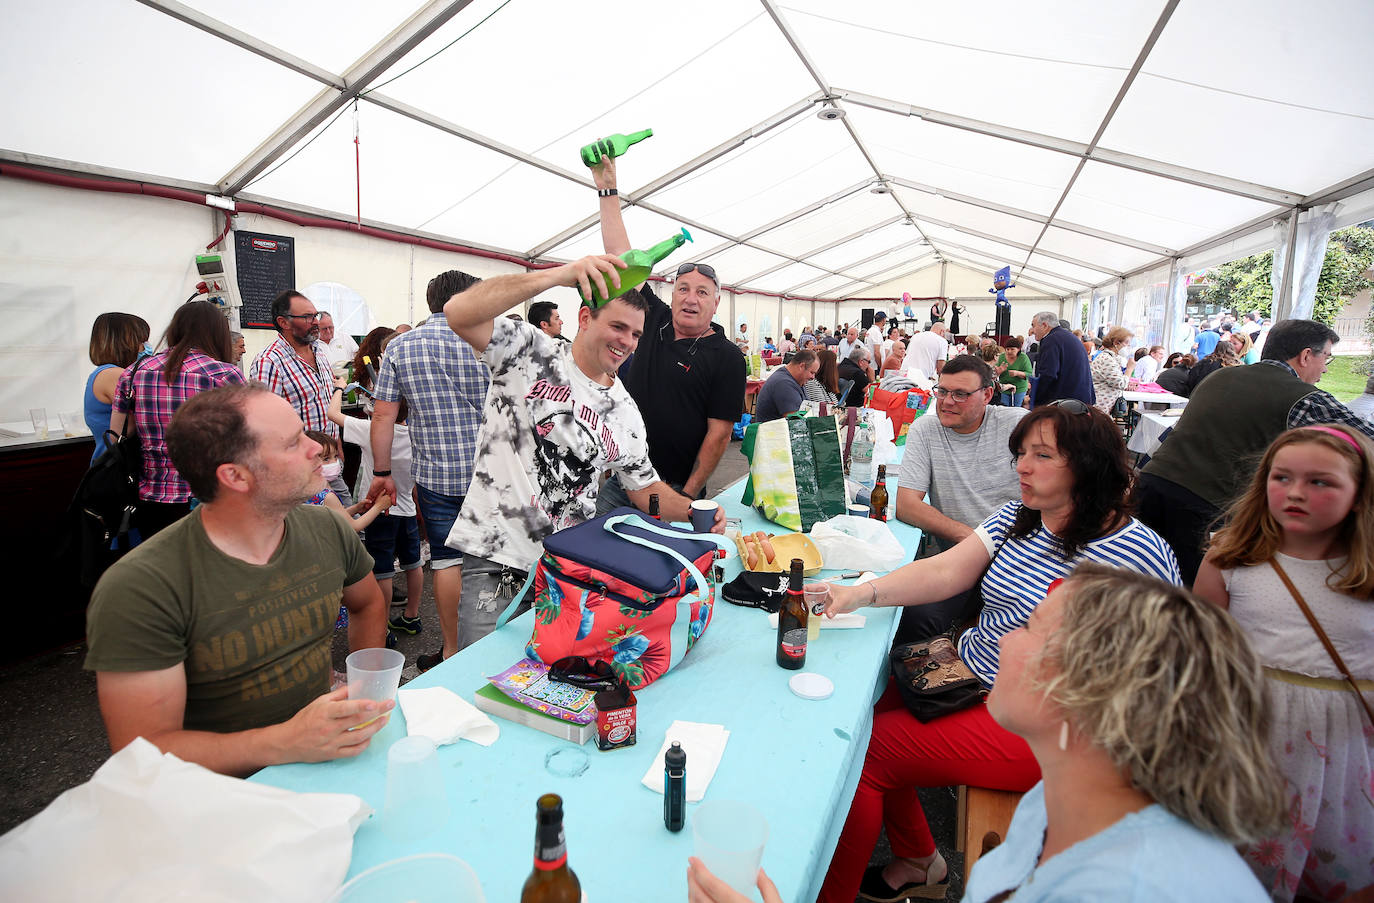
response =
{"points": [[391, 639], [403, 624], [428, 660]]}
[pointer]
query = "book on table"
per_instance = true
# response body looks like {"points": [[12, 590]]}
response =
{"points": [[492, 701]]}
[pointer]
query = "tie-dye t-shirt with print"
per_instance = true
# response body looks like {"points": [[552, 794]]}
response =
{"points": [[548, 431]]}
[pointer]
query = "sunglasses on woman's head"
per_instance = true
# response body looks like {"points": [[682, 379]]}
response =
{"points": [[704, 269], [1072, 405]]}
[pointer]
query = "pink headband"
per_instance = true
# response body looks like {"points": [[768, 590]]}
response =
{"points": [[1339, 435]]}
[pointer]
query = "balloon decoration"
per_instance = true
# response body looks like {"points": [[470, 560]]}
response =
{"points": [[906, 306], [1001, 281]]}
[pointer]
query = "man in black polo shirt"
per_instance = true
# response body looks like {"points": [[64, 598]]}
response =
{"points": [[686, 377]]}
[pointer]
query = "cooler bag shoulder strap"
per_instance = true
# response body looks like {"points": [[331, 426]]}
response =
{"points": [[683, 622]]}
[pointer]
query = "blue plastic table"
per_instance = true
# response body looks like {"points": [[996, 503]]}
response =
{"points": [[797, 761]]}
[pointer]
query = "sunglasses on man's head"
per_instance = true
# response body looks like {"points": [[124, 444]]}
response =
{"points": [[704, 269], [578, 671]]}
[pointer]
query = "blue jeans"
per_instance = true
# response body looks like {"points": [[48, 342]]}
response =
{"points": [[390, 537], [439, 512], [1012, 399]]}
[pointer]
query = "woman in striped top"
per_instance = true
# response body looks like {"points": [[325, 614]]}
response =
{"points": [[1073, 474]]}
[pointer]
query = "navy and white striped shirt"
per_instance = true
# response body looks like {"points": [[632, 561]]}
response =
{"points": [[1021, 575]]}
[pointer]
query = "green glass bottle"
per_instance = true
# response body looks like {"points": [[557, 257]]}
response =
{"points": [[612, 146], [640, 265]]}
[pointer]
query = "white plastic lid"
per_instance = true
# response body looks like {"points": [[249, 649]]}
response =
{"points": [[809, 685]]}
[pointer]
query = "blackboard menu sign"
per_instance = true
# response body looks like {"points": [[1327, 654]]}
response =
{"points": [[266, 267]]}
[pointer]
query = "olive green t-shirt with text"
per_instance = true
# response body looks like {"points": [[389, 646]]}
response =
{"points": [[255, 639]]}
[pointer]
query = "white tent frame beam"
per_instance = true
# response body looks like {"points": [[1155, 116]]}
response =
{"points": [[1020, 246], [795, 43], [1121, 93], [672, 176], [1239, 187], [373, 64], [1067, 280], [972, 260], [828, 246], [1033, 217]]}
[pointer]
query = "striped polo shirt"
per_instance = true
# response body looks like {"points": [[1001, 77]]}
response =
{"points": [[1025, 567]]}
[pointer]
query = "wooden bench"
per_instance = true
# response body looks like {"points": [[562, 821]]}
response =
{"points": [[983, 816]]}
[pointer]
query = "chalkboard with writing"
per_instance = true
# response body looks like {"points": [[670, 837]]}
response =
{"points": [[266, 267]]}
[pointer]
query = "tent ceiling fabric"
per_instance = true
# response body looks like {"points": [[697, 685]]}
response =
{"points": [[992, 128]]}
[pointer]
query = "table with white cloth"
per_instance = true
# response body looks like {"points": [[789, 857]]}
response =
{"points": [[1155, 399], [797, 761], [1145, 438]]}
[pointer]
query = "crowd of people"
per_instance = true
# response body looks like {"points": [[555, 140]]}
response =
{"points": [[1158, 687]]}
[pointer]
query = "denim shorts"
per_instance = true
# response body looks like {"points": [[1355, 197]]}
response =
{"points": [[390, 537], [439, 512]]}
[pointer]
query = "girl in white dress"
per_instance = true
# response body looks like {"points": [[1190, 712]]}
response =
{"points": [[1309, 514]]}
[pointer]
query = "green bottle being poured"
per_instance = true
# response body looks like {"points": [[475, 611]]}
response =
{"points": [[640, 265], [612, 146]]}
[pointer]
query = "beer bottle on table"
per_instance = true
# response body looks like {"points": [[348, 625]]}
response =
{"points": [[653, 506], [551, 881], [877, 499], [792, 622]]}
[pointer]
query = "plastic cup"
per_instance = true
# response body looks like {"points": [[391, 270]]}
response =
{"points": [[416, 802], [427, 878], [73, 423], [817, 595], [374, 674], [39, 418], [729, 837], [703, 515]]}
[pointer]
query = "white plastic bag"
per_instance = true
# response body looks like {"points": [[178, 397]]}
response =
{"points": [[859, 544], [884, 444], [151, 827]]}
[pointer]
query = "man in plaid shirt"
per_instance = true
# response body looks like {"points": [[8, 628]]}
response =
{"points": [[444, 385], [296, 365]]}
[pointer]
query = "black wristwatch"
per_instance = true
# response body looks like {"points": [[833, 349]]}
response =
{"points": [[381, 473]]}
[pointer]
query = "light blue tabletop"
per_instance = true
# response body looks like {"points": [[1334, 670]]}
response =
{"points": [[797, 761]]}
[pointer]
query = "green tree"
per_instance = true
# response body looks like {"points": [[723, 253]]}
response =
{"points": [[1243, 285]]}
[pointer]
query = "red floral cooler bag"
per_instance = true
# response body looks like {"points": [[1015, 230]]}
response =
{"points": [[622, 588]]}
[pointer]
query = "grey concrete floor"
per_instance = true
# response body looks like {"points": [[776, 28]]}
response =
{"points": [[55, 739]]}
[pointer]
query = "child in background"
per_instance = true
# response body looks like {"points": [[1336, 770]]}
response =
{"points": [[395, 534], [1309, 515], [358, 515]]}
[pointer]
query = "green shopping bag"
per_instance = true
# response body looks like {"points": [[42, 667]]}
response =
{"points": [[796, 471]]}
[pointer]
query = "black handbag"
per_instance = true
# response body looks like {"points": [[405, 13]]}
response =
{"points": [[932, 680], [102, 510]]}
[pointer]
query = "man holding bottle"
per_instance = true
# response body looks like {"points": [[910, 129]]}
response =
{"points": [[686, 377], [555, 418]]}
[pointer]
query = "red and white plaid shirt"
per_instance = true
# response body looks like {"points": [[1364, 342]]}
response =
{"points": [[289, 376], [153, 404]]}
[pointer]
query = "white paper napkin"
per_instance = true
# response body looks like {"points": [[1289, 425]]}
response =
{"points": [[704, 745], [847, 621], [445, 717]]}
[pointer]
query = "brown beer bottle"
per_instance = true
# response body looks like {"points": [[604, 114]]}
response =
{"points": [[653, 506], [551, 881], [792, 622], [877, 499]]}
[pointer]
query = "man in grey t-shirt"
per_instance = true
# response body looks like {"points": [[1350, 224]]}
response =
{"points": [[955, 470]]}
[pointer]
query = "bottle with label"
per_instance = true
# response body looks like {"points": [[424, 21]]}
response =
{"points": [[877, 499], [640, 265], [612, 146], [551, 881], [792, 622], [675, 787], [653, 506]]}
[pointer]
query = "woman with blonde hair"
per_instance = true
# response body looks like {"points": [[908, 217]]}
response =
{"points": [[1244, 347], [1145, 709], [1109, 374], [1295, 567]]}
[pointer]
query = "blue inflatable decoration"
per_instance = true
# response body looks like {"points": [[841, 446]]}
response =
{"points": [[1001, 281]]}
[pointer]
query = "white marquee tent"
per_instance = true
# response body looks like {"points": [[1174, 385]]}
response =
{"points": [[820, 153]]}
